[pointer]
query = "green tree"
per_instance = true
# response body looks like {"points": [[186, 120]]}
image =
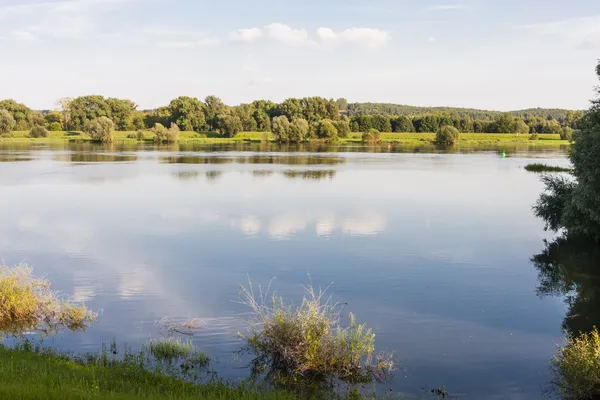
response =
{"points": [[427, 123], [371, 136], [228, 125], [20, 113], [38, 132], [245, 112], [86, 109], [188, 113], [54, 117], [65, 105], [298, 130], [342, 104], [55, 127], [160, 132], [281, 129], [214, 107], [381, 123], [137, 120], [172, 134], [402, 124], [326, 130], [447, 135], [120, 112], [574, 204], [7, 123], [291, 108], [343, 128], [100, 129]]}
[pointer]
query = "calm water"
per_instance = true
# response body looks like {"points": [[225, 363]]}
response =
{"points": [[431, 250]]}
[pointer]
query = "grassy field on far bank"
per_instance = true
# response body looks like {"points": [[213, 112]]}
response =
{"points": [[544, 140]]}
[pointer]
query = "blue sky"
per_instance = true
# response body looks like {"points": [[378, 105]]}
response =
{"points": [[493, 54]]}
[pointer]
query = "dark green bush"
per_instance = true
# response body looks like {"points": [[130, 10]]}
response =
{"points": [[447, 135]]}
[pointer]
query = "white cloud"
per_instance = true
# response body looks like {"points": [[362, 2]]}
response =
{"points": [[581, 32], [447, 7], [189, 44], [246, 35], [287, 35], [24, 36], [369, 37], [431, 39]]}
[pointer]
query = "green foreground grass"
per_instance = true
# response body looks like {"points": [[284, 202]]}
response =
{"points": [[31, 375], [544, 140]]}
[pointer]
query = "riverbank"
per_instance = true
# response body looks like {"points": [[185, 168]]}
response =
{"points": [[407, 139], [26, 373]]}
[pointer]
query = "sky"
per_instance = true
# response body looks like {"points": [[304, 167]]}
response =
{"points": [[486, 54]]}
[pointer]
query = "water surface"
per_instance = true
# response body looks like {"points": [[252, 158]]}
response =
{"points": [[430, 250]]}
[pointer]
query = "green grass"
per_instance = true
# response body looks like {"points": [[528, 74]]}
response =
{"points": [[42, 374], [410, 139], [537, 167], [174, 349]]}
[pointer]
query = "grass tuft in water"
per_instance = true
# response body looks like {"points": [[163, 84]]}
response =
{"points": [[538, 167], [307, 344], [174, 349], [28, 304], [576, 368]]}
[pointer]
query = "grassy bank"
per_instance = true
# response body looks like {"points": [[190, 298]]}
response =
{"points": [[411, 139], [29, 374]]}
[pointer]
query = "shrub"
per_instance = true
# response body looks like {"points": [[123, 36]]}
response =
{"points": [[326, 130], [100, 130], [27, 303], [38, 132], [447, 135], [55, 127], [172, 134], [576, 367], [281, 128], [343, 128], [7, 123], [297, 131], [307, 344], [140, 135], [535, 136], [567, 133], [372, 136], [160, 132]]}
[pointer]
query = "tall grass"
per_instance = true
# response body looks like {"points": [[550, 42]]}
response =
{"points": [[576, 368], [307, 344], [28, 304]]}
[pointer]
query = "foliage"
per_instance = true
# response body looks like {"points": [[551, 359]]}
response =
{"points": [[174, 349], [298, 131], [307, 344], [172, 134], [371, 136], [343, 128], [537, 167], [575, 206], [55, 127], [140, 135], [447, 135], [576, 367], [38, 132], [228, 125], [100, 130], [28, 303], [21, 114], [280, 128], [566, 133], [7, 122], [160, 133], [326, 130], [534, 136], [86, 109], [188, 113]]}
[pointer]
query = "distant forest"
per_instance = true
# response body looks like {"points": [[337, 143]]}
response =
{"points": [[292, 120]]}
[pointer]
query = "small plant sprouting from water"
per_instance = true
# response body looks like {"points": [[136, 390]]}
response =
{"points": [[307, 344], [28, 304], [174, 349], [576, 368]]}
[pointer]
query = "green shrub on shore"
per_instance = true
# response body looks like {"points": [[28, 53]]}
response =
{"points": [[447, 135], [371, 136], [576, 368], [307, 345], [100, 130], [38, 132], [27, 303]]}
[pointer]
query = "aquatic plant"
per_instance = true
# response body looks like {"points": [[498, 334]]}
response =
{"points": [[537, 167], [576, 368], [28, 303], [307, 344]]}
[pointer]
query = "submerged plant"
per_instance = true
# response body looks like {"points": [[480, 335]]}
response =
{"points": [[28, 304], [307, 344], [576, 368]]}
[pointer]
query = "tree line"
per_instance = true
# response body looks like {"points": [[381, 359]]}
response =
{"points": [[293, 120]]}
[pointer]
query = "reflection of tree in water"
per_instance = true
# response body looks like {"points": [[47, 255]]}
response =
{"points": [[211, 176], [287, 159], [569, 267], [95, 158], [310, 174]]}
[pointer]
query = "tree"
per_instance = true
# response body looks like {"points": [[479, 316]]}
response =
{"points": [[447, 135], [55, 127], [567, 133], [38, 132], [574, 204], [86, 109], [427, 123], [188, 113], [381, 123], [402, 124], [20, 113], [371, 136], [7, 123], [291, 108], [172, 134], [326, 130], [298, 131], [160, 132], [120, 112], [342, 104], [65, 105], [263, 122], [54, 117], [100, 129], [228, 125], [136, 120], [281, 128], [343, 128], [245, 112], [214, 107]]}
